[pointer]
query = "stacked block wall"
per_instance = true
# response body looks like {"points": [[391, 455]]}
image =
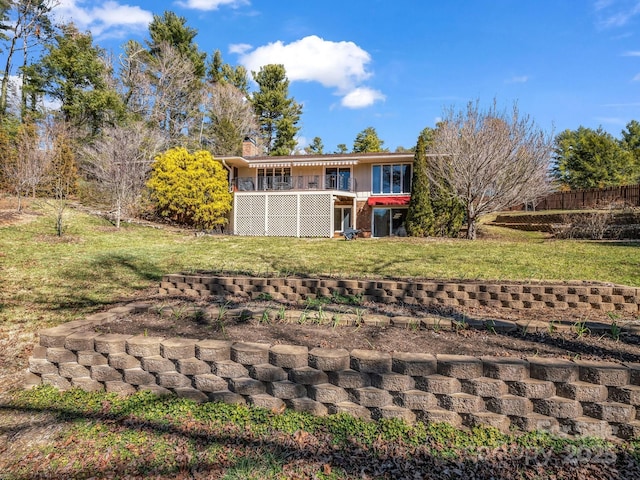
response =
{"points": [[469, 294], [574, 397]]}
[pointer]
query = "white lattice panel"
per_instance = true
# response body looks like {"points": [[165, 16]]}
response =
{"points": [[315, 215], [282, 215], [250, 215]]}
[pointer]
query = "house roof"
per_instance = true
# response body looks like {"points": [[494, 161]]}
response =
{"points": [[330, 159]]}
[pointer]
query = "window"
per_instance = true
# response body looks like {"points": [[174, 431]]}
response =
{"points": [[338, 179], [391, 178], [277, 178], [389, 221]]}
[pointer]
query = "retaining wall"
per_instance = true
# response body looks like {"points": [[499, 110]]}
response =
{"points": [[574, 397], [414, 292]]}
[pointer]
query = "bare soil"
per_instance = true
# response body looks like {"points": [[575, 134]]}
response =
{"points": [[446, 332]]}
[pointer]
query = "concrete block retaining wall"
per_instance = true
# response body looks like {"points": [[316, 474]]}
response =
{"points": [[574, 397], [455, 294]]}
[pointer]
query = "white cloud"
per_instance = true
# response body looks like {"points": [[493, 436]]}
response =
{"points": [[518, 79], [339, 65], [634, 53], [612, 120], [636, 78], [616, 13], [361, 97], [239, 48], [111, 19], [208, 5]]}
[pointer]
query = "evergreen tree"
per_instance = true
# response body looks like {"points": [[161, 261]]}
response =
{"points": [[368, 141], [448, 212], [220, 72], [420, 219], [172, 29], [190, 188], [587, 158], [316, 147], [341, 148], [278, 115], [75, 73]]}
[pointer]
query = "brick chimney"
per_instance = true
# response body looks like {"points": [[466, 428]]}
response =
{"points": [[249, 148]]}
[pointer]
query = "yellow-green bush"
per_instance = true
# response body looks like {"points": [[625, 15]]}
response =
{"points": [[192, 189]]}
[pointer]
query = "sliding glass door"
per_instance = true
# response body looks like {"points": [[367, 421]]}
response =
{"points": [[389, 221]]}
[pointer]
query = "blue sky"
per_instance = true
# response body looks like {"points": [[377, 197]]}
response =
{"points": [[396, 64]]}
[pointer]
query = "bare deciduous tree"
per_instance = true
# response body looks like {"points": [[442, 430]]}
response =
{"points": [[163, 89], [119, 160], [231, 118], [490, 160], [25, 164], [60, 179]]}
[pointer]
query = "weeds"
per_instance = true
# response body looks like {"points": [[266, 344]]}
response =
{"points": [[265, 318], [317, 302], [437, 324], [490, 325], [220, 319], [320, 315], [116, 445], [346, 299], [200, 317], [460, 325], [178, 312], [581, 329], [615, 331]]}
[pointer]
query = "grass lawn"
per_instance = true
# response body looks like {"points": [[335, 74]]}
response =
{"points": [[46, 280]]}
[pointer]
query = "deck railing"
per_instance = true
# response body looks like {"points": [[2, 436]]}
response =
{"points": [[294, 182]]}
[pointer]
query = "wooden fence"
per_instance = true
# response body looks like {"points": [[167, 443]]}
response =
{"points": [[628, 195]]}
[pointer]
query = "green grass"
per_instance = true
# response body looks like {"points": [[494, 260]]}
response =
{"points": [[49, 280], [45, 281], [176, 438]]}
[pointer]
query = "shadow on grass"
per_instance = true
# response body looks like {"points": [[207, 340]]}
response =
{"points": [[107, 280], [196, 448]]}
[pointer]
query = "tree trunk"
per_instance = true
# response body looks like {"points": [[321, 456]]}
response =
{"points": [[471, 231], [118, 214], [59, 223], [5, 77], [471, 225]]}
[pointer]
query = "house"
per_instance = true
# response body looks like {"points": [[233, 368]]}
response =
{"points": [[319, 195]]}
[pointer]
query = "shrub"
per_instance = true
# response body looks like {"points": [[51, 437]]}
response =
{"points": [[191, 189]]}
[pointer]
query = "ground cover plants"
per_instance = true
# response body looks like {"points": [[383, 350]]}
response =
{"points": [[144, 436], [47, 280]]}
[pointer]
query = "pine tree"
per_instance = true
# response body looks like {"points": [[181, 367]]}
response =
{"points": [[277, 113], [368, 141], [420, 218]]}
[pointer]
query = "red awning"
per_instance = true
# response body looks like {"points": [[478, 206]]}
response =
{"points": [[393, 200]]}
